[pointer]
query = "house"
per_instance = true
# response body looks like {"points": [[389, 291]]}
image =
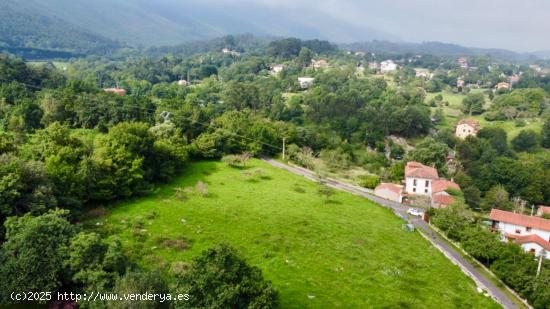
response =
{"points": [[531, 233], [305, 82], [463, 62], [423, 73], [514, 79], [183, 82], [277, 68], [117, 91], [440, 197], [460, 83], [374, 65], [466, 127], [320, 64], [388, 66], [502, 86], [543, 210], [227, 51], [418, 178], [390, 192]]}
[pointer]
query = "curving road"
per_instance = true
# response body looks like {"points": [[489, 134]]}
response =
{"points": [[434, 238]]}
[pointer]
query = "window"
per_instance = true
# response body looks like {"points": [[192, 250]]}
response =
{"points": [[427, 183], [528, 229], [426, 190], [518, 231], [414, 189], [532, 251], [414, 182]]}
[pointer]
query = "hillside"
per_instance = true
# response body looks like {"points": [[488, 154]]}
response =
{"points": [[23, 26], [343, 252]]}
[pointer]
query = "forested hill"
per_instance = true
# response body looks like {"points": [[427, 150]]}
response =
{"points": [[436, 48], [25, 29]]}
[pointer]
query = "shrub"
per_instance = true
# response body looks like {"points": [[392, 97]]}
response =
{"points": [[369, 181]]}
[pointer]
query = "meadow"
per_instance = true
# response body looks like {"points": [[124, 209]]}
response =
{"points": [[339, 252], [453, 113]]}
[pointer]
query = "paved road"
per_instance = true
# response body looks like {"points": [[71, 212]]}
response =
{"points": [[436, 240]]}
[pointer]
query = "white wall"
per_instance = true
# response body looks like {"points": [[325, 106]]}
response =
{"points": [[421, 187], [527, 247], [464, 130], [512, 228]]}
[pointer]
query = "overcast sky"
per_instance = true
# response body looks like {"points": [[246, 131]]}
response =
{"points": [[521, 25]]}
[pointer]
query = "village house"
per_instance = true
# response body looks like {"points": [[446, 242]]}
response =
{"points": [[117, 91], [466, 127], [502, 86], [423, 73], [460, 83], [388, 66], [183, 82], [530, 232], [305, 82], [390, 191], [418, 178], [422, 180], [277, 68], [320, 64], [373, 65], [440, 195], [227, 51], [463, 62]]}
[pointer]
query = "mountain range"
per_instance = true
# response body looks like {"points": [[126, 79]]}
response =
{"points": [[103, 26]]}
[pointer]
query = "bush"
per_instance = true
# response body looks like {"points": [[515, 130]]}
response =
{"points": [[220, 278], [527, 140], [369, 181]]}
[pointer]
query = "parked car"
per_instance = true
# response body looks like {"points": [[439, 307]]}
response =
{"points": [[415, 212]]}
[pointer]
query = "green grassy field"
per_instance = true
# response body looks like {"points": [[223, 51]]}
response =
{"points": [[453, 114], [345, 252]]}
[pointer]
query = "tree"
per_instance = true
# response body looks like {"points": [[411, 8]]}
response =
{"points": [[220, 278], [527, 140], [497, 197], [481, 244], [545, 142], [325, 191], [139, 282], [429, 152], [472, 197], [473, 103], [304, 57], [32, 257]]}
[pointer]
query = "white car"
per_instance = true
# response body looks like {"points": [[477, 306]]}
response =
{"points": [[415, 212]]}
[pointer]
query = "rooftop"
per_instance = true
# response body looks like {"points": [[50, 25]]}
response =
{"points": [[419, 170], [519, 219]]}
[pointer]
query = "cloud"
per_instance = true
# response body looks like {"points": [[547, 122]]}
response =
{"points": [[512, 24]]}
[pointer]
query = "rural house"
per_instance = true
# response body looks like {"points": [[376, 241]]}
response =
{"points": [[530, 232], [117, 91], [466, 127], [305, 82], [320, 64], [502, 86], [388, 66], [277, 68], [390, 191], [421, 180]]}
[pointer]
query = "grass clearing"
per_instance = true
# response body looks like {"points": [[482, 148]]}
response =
{"points": [[344, 252]]}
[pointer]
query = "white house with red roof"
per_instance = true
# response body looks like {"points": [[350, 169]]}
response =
{"points": [[466, 127], [418, 178], [530, 232], [390, 191], [422, 180]]}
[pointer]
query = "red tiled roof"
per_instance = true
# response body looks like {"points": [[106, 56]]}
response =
{"points": [[419, 170], [544, 209], [443, 199], [519, 219], [397, 189], [471, 122], [533, 238], [440, 185]]}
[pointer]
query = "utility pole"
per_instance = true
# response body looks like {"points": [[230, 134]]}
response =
{"points": [[542, 255], [284, 147]]}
